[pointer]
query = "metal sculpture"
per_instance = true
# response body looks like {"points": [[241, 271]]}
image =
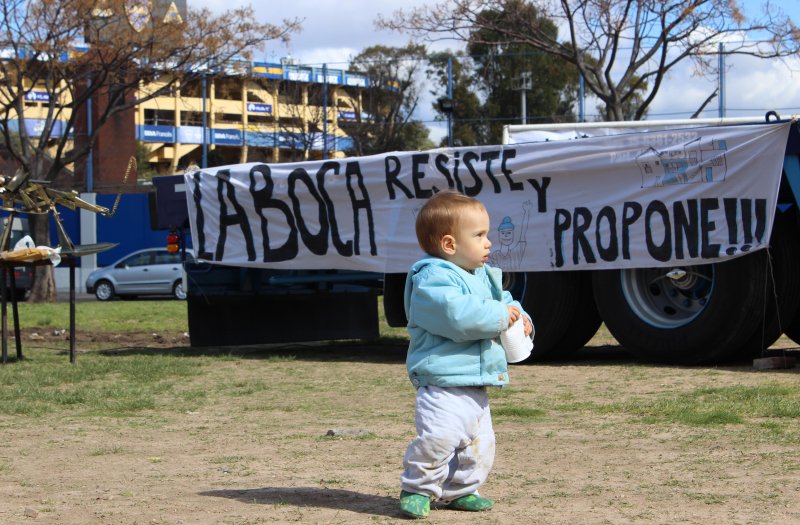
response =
{"points": [[21, 194]]}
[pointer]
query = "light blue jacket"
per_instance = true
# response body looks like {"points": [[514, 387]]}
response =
{"points": [[454, 320]]}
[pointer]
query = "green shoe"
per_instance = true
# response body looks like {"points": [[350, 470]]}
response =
{"points": [[471, 503], [415, 505]]}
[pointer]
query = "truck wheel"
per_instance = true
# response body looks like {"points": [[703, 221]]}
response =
{"points": [[394, 285], [791, 324], [551, 299], [782, 290], [515, 283], [585, 320], [683, 315], [792, 328]]}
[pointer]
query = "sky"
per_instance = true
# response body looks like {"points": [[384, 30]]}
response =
{"points": [[335, 30]]}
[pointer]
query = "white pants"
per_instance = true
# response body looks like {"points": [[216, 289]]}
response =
{"points": [[454, 448]]}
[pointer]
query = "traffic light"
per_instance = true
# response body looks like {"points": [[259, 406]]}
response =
{"points": [[173, 241]]}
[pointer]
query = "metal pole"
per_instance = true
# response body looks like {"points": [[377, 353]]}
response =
{"points": [[581, 108], [450, 96], [89, 168], [523, 103], [71, 310], [4, 268], [721, 80], [204, 163], [325, 111]]}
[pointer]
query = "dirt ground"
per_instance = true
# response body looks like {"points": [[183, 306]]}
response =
{"points": [[265, 456]]}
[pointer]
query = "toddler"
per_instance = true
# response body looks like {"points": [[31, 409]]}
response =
{"points": [[456, 309]]}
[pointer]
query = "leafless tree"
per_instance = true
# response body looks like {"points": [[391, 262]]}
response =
{"points": [[623, 48], [65, 53], [302, 117]]}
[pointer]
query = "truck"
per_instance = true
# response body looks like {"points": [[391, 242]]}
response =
{"points": [[681, 236]]}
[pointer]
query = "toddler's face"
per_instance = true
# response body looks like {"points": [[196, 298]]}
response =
{"points": [[472, 244]]}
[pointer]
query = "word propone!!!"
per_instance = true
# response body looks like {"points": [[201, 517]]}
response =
{"points": [[690, 223]]}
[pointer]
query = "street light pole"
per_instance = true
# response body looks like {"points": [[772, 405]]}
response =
{"points": [[721, 66], [204, 163], [523, 83], [450, 97], [325, 111]]}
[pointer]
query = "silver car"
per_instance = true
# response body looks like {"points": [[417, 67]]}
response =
{"points": [[152, 271]]}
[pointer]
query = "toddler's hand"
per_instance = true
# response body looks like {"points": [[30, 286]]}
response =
{"points": [[513, 315], [528, 326]]}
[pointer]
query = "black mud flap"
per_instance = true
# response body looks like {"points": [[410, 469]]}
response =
{"points": [[261, 319], [230, 306]]}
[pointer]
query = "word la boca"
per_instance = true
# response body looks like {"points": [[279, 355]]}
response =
{"points": [[687, 229], [287, 213]]}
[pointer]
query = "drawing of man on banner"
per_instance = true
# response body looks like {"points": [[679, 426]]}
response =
{"points": [[510, 254]]}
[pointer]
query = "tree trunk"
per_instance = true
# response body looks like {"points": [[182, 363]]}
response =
{"points": [[44, 283]]}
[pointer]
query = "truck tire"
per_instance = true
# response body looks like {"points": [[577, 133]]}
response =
{"points": [[782, 290], [551, 299], [585, 320], [516, 283], [791, 324], [683, 315], [792, 328], [393, 289]]}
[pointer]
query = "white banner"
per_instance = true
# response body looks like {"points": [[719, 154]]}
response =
{"points": [[664, 198]]}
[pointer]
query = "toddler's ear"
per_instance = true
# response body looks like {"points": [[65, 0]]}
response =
{"points": [[448, 245]]}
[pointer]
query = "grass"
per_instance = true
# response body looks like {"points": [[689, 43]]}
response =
{"points": [[720, 406], [98, 386], [111, 316], [226, 405], [126, 384]]}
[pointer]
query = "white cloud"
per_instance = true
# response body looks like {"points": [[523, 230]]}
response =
{"points": [[333, 31], [752, 87]]}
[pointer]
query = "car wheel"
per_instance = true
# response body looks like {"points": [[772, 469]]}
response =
{"points": [[177, 290], [104, 291]]}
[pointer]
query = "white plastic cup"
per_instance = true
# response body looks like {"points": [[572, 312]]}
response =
{"points": [[517, 345]]}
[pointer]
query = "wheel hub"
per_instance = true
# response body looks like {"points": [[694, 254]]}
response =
{"points": [[668, 298]]}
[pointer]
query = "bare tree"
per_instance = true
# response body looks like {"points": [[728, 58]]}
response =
{"points": [[623, 48], [302, 116], [65, 53], [384, 121]]}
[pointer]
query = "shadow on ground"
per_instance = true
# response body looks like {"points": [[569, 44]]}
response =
{"points": [[385, 350], [337, 499], [393, 350]]}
